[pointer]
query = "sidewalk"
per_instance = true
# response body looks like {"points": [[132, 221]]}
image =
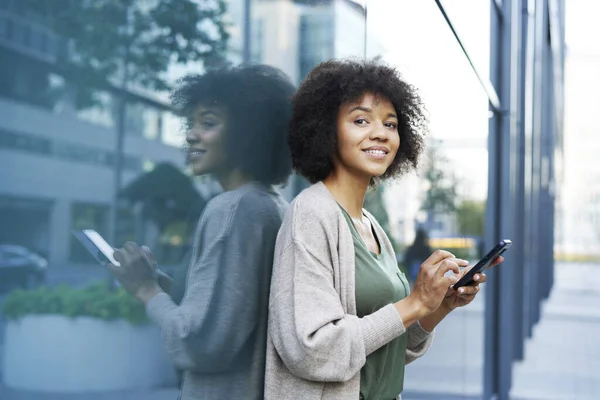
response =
{"points": [[563, 359], [453, 367]]}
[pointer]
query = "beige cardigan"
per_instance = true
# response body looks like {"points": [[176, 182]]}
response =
{"points": [[316, 344]]}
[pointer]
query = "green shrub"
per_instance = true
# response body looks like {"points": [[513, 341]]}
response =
{"points": [[95, 301]]}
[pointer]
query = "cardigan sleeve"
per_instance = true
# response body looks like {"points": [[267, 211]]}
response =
{"points": [[418, 342], [211, 329]]}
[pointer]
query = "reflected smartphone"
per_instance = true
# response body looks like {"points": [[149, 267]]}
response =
{"points": [[97, 246], [484, 263]]}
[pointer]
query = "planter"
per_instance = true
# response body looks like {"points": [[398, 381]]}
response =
{"points": [[53, 353]]}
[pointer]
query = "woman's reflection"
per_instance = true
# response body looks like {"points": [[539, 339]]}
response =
{"points": [[237, 131]]}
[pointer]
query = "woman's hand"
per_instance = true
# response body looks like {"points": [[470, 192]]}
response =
{"points": [[433, 282], [164, 281], [137, 272], [465, 294]]}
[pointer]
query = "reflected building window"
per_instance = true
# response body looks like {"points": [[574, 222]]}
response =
{"points": [[316, 39], [29, 81], [101, 112], [257, 40], [144, 120]]}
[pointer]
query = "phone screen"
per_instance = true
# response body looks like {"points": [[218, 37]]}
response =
{"points": [[101, 245]]}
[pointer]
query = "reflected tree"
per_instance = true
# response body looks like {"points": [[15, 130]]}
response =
{"points": [[116, 45], [441, 186], [470, 216], [109, 40], [168, 197]]}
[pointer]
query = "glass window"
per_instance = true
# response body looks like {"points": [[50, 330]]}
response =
{"points": [[257, 40], [471, 20], [144, 120], [3, 27], [101, 112], [447, 196], [316, 38]]}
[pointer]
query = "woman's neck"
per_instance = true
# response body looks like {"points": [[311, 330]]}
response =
{"points": [[348, 191], [232, 180]]}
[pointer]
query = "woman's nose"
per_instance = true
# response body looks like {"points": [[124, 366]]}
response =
{"points": [[379, 132], [192, 136]]}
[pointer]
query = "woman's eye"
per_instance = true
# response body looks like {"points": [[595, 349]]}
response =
{"points": [[360, 121], [391, 125], [209, 124]]}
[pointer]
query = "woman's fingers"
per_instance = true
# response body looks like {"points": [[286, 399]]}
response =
{"points": [[480, 278], [497, 261], [437, 257], [447, 265], [131, 247], [468, 290], [149, 256], [119, 255]]}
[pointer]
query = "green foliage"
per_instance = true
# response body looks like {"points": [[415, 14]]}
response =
{"points": [[96, 301], [470, 216], [441, 193], [147, 36], [168, 196]]}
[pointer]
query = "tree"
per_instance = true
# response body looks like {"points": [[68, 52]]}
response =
{"points": [[115, 44], [136, 39], [470, 216], [168, 196], [441, 194]]}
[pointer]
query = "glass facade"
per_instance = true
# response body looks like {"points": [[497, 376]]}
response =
{"points": [[491, 75]]}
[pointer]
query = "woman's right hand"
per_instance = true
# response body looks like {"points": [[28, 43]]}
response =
{"points": [[164, 281], [431, 284]]}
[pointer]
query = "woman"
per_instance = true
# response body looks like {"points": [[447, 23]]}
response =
{"points": [[238, 123], [342, 323]]}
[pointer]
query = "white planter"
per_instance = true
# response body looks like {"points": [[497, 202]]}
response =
{"points": [[53, 353]]}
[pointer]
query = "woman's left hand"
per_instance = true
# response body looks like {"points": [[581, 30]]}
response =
{"points": [[137, 272], [466, 294]]}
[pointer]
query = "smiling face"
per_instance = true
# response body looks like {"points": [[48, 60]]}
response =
{"points": [[368, 139], [206, 140]]}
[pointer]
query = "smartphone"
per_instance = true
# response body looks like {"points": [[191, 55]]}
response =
{"points": [[484, 263], [97, 246]]}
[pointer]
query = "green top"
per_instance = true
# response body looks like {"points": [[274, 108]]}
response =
{"points": [[379, 282]]}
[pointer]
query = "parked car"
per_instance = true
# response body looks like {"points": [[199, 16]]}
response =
{"points": [[21, 267]]}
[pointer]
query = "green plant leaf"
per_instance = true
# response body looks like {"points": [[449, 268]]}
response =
{"points": [[96, 301]]}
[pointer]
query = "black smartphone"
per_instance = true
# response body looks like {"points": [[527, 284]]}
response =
{"points": [[97, 246], [484, 263]]}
